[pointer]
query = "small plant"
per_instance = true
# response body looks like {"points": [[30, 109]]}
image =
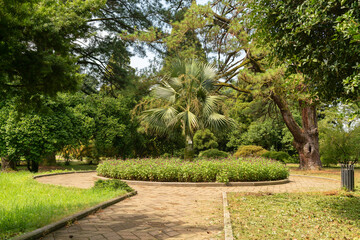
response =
{"points": [[112, 184], [213, 153], [280, 156], [250, 150]]}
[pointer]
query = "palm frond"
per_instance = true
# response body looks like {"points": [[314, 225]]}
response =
{"points": [[217, 122], [165, 92], [189, 120], [160, 119], [210, 105]]}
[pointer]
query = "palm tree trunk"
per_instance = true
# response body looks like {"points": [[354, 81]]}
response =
{"points": [[189, 150]]}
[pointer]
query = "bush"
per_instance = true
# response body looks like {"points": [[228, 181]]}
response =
{"points": [[280, 156], [204, 139], [213, 153], [250, 150], [112, 184], [176, 170]]}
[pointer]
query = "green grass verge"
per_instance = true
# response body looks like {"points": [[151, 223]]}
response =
{"points": [[26, 205], [295, 216], [177, 170]]}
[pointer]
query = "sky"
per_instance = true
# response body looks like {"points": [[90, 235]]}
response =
{"points": [[140, 63]]}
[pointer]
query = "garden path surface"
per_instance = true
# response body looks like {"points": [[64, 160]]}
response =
{"points": [[164, 212]]}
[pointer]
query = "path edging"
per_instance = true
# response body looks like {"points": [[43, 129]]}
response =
{"points": [[227, 220], [61, 173], [202, 184]]}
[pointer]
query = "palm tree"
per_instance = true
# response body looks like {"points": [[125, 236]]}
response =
{"points": [[186, 98]]}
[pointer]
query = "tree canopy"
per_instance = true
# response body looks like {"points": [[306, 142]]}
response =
{"points": [[316, 38], [36, 45]]}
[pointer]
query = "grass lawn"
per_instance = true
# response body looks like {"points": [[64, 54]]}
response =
{"points": [[26, 204], [295, 216], [333, 215]]}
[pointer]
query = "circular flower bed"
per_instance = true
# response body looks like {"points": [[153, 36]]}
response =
{"points": [[177, 170]]}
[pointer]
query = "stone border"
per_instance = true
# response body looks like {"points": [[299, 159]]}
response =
{"points": [[201, 184], [61, 173], [205, 184], [227, 220], [41, 232]]}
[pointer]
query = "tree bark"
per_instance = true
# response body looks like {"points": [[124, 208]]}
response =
{"points": [[49, 160], [306, 139], [7, 164]]}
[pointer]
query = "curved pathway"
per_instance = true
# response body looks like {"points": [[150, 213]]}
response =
{"points": [[161, 212]]}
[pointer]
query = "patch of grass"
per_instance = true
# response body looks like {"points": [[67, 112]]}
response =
{"points": [[295, 216], [112, 184], [26, 204], [177, 170]]}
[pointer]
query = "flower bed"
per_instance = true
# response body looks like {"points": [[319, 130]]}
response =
{"points": [[176, 170]]}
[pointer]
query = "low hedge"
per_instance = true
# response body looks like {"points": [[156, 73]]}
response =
{"points": [[280, 156], [176, 170]]}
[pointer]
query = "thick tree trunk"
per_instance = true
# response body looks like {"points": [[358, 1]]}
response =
{"points": [[49, 160], [308, 148], [7, 165], [306, 139]]}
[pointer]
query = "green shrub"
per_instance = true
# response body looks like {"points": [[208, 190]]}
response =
{"points": [[177, 170], [250, 150], [204, 139], [280, 156], [112, 184], [213, 153]]}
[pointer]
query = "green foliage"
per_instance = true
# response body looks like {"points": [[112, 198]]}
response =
{"points": [[314, 38], [176, 170], [339, 137], [213, 153], [37, 39], [280, 156], [112, 184], [26, 205], [204, 139], [249, 150], [36, 134], [108, 121], [258, 123]]}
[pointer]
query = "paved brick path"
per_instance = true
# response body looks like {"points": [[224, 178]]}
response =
{"points": [[160, 212]]}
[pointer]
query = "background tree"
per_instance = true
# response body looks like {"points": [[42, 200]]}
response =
{"points": [[38, 135], [339, 135], [36, 43]]}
